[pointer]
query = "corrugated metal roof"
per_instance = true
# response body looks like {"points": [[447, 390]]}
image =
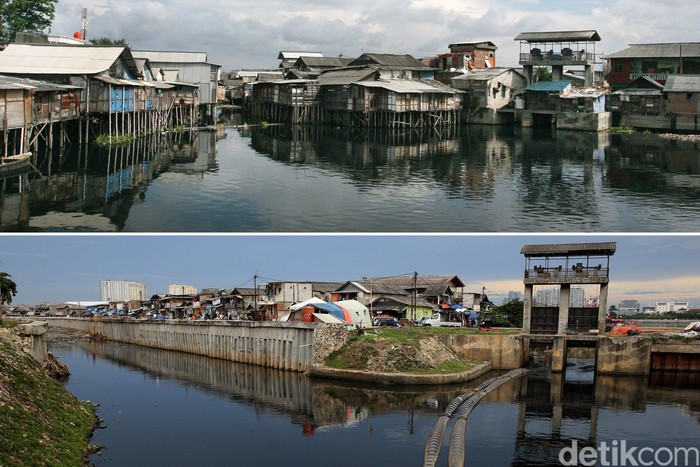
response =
{"points": [[344, 77], [389, 60], [11, 82], [484, 74], [404, 300], [639, 92], [409, 86], [289, 55], [431, 281], [549, 86], [379, 288], [325, 286], [335, 62], [559, 36], [125, 82], [479, 44], [296, 74], [171, 57], [666, 50], [584, 93], [682, 83], [8, 86], [561, 249], [641, 86], [45, 59]]}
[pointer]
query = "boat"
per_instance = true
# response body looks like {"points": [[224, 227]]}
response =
{"points": [[18, 164]]}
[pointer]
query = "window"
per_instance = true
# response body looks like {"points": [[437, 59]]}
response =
{"points": [[649, 66], [618, 68]]}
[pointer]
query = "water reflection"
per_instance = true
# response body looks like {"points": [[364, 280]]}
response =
{"points": [[95, 188], [256, 416], [476, 178]]}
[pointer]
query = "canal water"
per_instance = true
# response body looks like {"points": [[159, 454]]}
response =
{"points": [[168, 408], [275, 178]]}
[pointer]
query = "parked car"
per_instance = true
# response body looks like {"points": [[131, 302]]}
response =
{"points": [[386, 322], [441, 320], [490, 321]]}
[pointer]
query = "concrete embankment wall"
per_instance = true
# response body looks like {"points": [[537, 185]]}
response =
{"points": [[503, 351], [288, 346]]}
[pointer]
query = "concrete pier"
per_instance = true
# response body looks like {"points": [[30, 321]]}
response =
{"points": [[35, 333]]}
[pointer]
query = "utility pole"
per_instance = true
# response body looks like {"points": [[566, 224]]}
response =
{"points": [[84, 24], [414, 298], [255, 297]]}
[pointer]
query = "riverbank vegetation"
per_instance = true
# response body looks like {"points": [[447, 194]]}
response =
{"points": [[120, 140], [400, 350], [42, 423]]}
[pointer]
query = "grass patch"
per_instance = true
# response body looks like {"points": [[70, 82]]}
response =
{"points": [[342, 359], [121, 140], [622, 130], [8, 323], [42, 424]]}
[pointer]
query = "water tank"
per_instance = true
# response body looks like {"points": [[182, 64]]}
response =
{"points": [[307, 314]]}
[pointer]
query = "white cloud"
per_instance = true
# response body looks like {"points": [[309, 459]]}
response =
{"points": [[248, 34]]}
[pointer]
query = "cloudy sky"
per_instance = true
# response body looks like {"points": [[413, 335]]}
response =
{"points": [[250, 33], [58, 268]]}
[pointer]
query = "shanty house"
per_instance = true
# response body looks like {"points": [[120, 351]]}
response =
{"points": [[436, 289], [279, 296], [488, 90], [643, 96], [493, 89], [401, 307], [110, 80], [289, 57], [190, 68], [567, 107], [357, 98], [335, 87], [544, 95], [392, 66], [15, 114], [312, 67], [483, 53], [683, 102], [286, 101], [655, 61], [366, 291], [26, 105]]}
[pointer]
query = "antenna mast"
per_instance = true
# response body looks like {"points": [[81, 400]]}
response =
{"points": [[84, 24]]}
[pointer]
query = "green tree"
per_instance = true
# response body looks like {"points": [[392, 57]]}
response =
{"points": [[25, 15], [543, 74], [107, 41], [512, 312], [8, 289]]}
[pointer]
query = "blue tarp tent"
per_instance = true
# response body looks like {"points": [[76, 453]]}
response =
{"points": [[334, 310]]}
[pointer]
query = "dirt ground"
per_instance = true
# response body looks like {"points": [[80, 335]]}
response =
{"points": [[383, 355]]}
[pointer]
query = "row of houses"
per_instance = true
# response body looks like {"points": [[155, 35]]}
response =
{"points": [[48, 89], [466, 85], [408, 297]]}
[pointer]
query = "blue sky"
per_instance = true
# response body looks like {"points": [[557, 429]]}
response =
{"points": [[58, 268], [250, 33]]}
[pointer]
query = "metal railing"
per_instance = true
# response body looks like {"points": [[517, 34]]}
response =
{"points": [[571, 273]]}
